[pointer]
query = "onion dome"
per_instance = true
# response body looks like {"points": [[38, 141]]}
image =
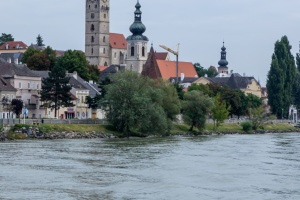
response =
{"points": [[223, 62], [137, 28]]}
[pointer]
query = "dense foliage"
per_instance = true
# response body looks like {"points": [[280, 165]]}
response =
{"points": [[6, 38], [210, 72], [40, 41], [281, 78], [196, 106], [74, 60], [17, 106], [220, 111], [135, 103], [37, 59], [56, 90]]}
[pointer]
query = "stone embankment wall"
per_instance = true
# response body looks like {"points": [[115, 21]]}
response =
{"points": [[35, 133]]}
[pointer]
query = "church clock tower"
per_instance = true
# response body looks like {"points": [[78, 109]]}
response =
{"points": [[97, 32]]}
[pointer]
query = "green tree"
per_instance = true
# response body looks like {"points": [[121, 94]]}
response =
{"points": [[170, 101], [199, 87], [40, 60], [296, 89], [199, 69], [179, 89], [196, 107], [6, 38], [39, 41], [56, 90], [17, 106], [281, 78], [93, 102], [74, 60], [258, 117], [220, 111], [28, 53], [133, 104], [212, 71]]}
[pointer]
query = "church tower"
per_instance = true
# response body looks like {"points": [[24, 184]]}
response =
{"points": [[223, 69], [137, 43], [97, 32]]}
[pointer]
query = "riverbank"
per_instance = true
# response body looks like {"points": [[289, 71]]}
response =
{"points": [[79, 131]]}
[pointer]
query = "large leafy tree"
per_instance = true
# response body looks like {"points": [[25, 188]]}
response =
{"points": [[74, 60], [199, 69], [196, 106], [134, 103], [281, 78], [39, 60], [212, 71], [220, 111], [199, 87], [6, 38], [56, 89]]}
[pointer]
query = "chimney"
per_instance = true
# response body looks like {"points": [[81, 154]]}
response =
{"points": [[91, 82], [9, 60], [182, 77], [75, 75], [6, 46]]}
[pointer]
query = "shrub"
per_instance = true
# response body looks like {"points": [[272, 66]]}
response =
{"points": [[247, 126]]}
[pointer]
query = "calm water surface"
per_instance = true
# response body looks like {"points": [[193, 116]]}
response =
{"points": [[211, 167]]}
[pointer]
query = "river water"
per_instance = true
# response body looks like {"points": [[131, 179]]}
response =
{"points": [[210, 167]]}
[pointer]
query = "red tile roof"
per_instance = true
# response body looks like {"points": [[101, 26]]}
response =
{"points": [[168, 69], [161, 55], [101, 68], [13, 45], [117, 41]]}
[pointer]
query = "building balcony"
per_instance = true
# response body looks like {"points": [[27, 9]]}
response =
{"points": [[31, 106]]}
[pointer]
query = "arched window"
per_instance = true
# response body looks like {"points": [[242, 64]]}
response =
{"points": [[92, 39], [92, 15], [132, 51], [96, 6], [89, 6], [92, 27], [143, 51], [92, 50], [105, 64], [115, 55], [104, 40], [104, 16], [103, 50]]}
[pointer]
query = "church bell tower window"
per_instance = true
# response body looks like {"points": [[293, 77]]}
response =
{"points": [[132, 51], [92, 27], [143, 51], [92, 39]]}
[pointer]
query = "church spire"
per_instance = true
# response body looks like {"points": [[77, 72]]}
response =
{"points": [[223, 62], [137, 28]]}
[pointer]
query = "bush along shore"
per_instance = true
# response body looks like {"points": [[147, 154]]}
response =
{"points": [[64, 132]]}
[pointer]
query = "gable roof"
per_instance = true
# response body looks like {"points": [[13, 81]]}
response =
{"points": [[12, 56], [151, 68], [168, 69], [161, 55], [6, 86], [235, 81], [117, 41], [13, 45], [9, 70], [108, 71]]}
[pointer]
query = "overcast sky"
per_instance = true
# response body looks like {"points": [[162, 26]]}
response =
{"points": [[249, 27]]}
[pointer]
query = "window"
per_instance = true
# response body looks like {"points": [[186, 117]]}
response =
{"points": [[28, 85], [92, 39], [20, 85], [104, 40], [37, 86], [96, 6], [103, 50], [115, 54], [143, 51], [89, 6], [92, 27], [92, 50], [105, 64], [92, 15], [104, 16], [132, 51]]}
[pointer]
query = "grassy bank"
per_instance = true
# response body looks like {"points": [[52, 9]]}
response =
{"points": [[177, 128]]}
